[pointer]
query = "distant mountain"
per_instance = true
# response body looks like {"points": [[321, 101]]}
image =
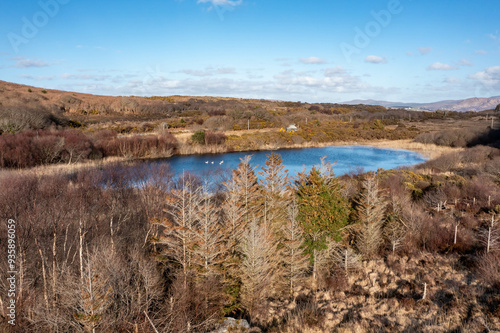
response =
{"points": [[469, 104]]}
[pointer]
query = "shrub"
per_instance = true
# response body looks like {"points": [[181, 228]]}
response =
{"points": [[212, 138], [198, 137], [489, 269], [74, 124]]}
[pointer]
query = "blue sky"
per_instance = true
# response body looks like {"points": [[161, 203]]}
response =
{"points": [[314, 51]]}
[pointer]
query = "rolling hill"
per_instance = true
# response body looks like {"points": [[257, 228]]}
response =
{"points": [[469, 104]]}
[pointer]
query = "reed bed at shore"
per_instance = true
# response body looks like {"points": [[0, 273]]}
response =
{"points": [[430, 151]]}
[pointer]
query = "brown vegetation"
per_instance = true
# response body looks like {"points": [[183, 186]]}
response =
{"points": [[118, 249], [122, 250]]}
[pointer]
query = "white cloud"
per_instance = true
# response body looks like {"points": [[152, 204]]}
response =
{"points": [[329, 84], [489, 77], [438, 66], [209, 71], [312, 60], [481, 52], [410, 54], [231, 3], [375, 59], [465, 62], [494, 36], [424, 50], [22, 62], [452, 80], [335, 71]]}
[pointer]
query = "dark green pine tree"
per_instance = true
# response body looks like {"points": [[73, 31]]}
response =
{"points": [[323, 210]]}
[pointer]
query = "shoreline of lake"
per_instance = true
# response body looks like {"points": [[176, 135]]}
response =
{"points": [[430, 151]]}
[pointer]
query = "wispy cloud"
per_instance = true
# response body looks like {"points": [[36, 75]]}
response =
{"points": [[231, 3], [22, 62], [424, 50], [494, 36], [312, 60], [69, 76], [209, 71], [335, 79], [37, 78], [465, 62], [452, 80], [481, 52], [375, 59], [439, 66]]}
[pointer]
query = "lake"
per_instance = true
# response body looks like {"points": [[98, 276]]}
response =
{"points": [[345, 159]]}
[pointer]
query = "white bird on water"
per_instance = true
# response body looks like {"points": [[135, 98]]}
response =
{"points": [[212, 162], [206, 162], [221, 162]]}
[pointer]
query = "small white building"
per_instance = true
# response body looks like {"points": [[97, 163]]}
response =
{"points": [[291, 128]]}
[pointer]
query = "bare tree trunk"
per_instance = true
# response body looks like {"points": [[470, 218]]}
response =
{"points": [[44, 276], [152, 325], [346, 262], [65, 239], [456, 231], [112, 234], [2, 309], [54, 272], [91, 293], [489, 239], [81, 235]]}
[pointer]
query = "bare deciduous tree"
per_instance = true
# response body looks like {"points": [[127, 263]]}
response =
{"points": [[257, 267], [395, 232], [347, 259], [490, 236], [210, 237], [275, 188], [179, 233], [371, 213], [95, 295], [246, 186], [293, 257]]}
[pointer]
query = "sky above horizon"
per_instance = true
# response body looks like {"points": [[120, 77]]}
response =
{"points": [[309, 51]]}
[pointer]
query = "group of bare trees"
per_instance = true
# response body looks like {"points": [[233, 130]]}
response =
{"points": [[42, 147], [82, 261]]}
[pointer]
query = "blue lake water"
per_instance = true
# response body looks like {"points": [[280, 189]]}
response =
{"points": [[345, 159]]}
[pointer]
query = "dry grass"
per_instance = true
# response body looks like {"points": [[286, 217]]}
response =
{"points": [[58, 169], [385, 297], [430, 151]]}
